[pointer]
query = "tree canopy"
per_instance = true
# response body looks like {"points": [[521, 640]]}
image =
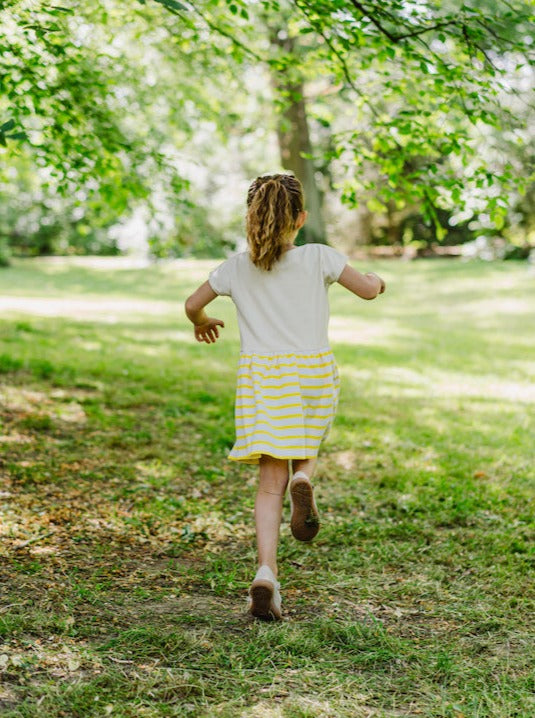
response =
{"points": [[411, 104]]}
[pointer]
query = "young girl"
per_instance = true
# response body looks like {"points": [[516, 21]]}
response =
{"points": [[287, 389]]}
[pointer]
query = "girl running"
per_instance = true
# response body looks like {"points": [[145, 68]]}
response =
{"points": [[288, 384]]}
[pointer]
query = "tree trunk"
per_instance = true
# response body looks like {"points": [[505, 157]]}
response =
{"points": [[294, 139]]}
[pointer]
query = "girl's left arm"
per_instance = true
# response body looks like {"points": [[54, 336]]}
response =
{"points": [[205, 327]]}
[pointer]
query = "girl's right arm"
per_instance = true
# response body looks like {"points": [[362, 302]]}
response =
{"points": [[205, 328], [367, 286]]}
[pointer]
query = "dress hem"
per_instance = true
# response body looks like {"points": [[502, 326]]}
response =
{"points": [[255, 457]]}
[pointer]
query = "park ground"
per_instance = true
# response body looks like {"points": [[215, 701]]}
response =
{"points": [[128, 539]]}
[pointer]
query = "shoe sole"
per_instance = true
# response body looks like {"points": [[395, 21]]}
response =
{"points": [[261, 593], [305, 521]]}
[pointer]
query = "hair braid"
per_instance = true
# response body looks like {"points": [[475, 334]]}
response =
{"points": [[273, 205]]}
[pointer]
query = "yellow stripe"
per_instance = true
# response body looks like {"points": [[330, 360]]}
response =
{"points": [[260, 399], [276, 387], [279, 426], [274, 418], [280, 406], [260, 432], [278, 378], [315, 415], [264, 408], [270, 376], [284, 355], [321, 389]]}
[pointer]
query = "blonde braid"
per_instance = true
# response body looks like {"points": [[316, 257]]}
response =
{"points": [[273, 205]]}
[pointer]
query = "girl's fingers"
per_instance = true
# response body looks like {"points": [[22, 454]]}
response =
{"points": [[209, 335]]}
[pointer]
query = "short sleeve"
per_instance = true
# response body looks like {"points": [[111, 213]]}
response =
{"points": [[332, 262], [220, 278]]}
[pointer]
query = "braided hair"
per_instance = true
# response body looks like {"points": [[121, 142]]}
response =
{"points": [[273, 205]]}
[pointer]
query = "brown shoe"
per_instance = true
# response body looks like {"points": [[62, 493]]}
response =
{"points": [[264, 600], [305, 520]]}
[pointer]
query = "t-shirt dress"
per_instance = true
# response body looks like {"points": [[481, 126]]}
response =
{"points": [[288, 383]]}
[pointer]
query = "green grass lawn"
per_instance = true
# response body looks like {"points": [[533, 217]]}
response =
{"points": [[129, 539]]}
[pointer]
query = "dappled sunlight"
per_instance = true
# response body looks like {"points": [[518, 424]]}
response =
{"points": [[106, 310], [89, 346], [345, 459], [498, 305], [158, 336], [357, 331], [14, 398], [263, 709], [189, 270], [53, 405], [431, 382], [15, 438], [57, 264], [60, 657], [71, 413], [523, 366], [305, 705], [219, 532], [456, 281], [153, 470]]}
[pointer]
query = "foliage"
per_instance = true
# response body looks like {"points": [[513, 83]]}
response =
{"points": [[104, 120], [420, 79], [415, 107]]}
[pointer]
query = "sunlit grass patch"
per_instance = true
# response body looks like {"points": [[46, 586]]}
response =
{"points": [[129, 540]]}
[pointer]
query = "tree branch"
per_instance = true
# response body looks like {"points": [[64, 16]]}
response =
{"points": [[376, 22], [343, 63], [403, 36], [495, 34], [226, 34], [422, 30]]}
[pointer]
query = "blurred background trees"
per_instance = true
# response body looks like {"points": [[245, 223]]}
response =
{"points": [[140, 125]]}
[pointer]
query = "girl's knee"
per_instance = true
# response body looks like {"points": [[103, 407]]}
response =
{"points": [[274, 474]]}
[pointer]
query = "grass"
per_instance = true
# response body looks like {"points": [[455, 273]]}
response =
{"points": [[130, 540]]}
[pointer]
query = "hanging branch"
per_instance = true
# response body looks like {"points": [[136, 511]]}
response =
{"points": [[343, 63], [177, 8], [228, 35], [396, 38], [374, 20]]}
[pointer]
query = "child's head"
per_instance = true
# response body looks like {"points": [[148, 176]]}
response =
{"points": [[275, 211]]}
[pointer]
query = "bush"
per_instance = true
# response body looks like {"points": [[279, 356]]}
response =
{"points": [[5, 254]]}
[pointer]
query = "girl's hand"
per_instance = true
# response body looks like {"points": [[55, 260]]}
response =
{"points": [[381, 281], [208, 331]]}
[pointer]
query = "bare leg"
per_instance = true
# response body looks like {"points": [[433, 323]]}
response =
{"points": [[306, 465], [268, 508]]}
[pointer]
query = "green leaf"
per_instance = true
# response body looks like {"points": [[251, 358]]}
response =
{"points": [[18, 136], [375, 205], [498, 220], [9, 125]]}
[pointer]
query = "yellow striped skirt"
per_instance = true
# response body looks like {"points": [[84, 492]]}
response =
{"points": [[285, 405]]}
